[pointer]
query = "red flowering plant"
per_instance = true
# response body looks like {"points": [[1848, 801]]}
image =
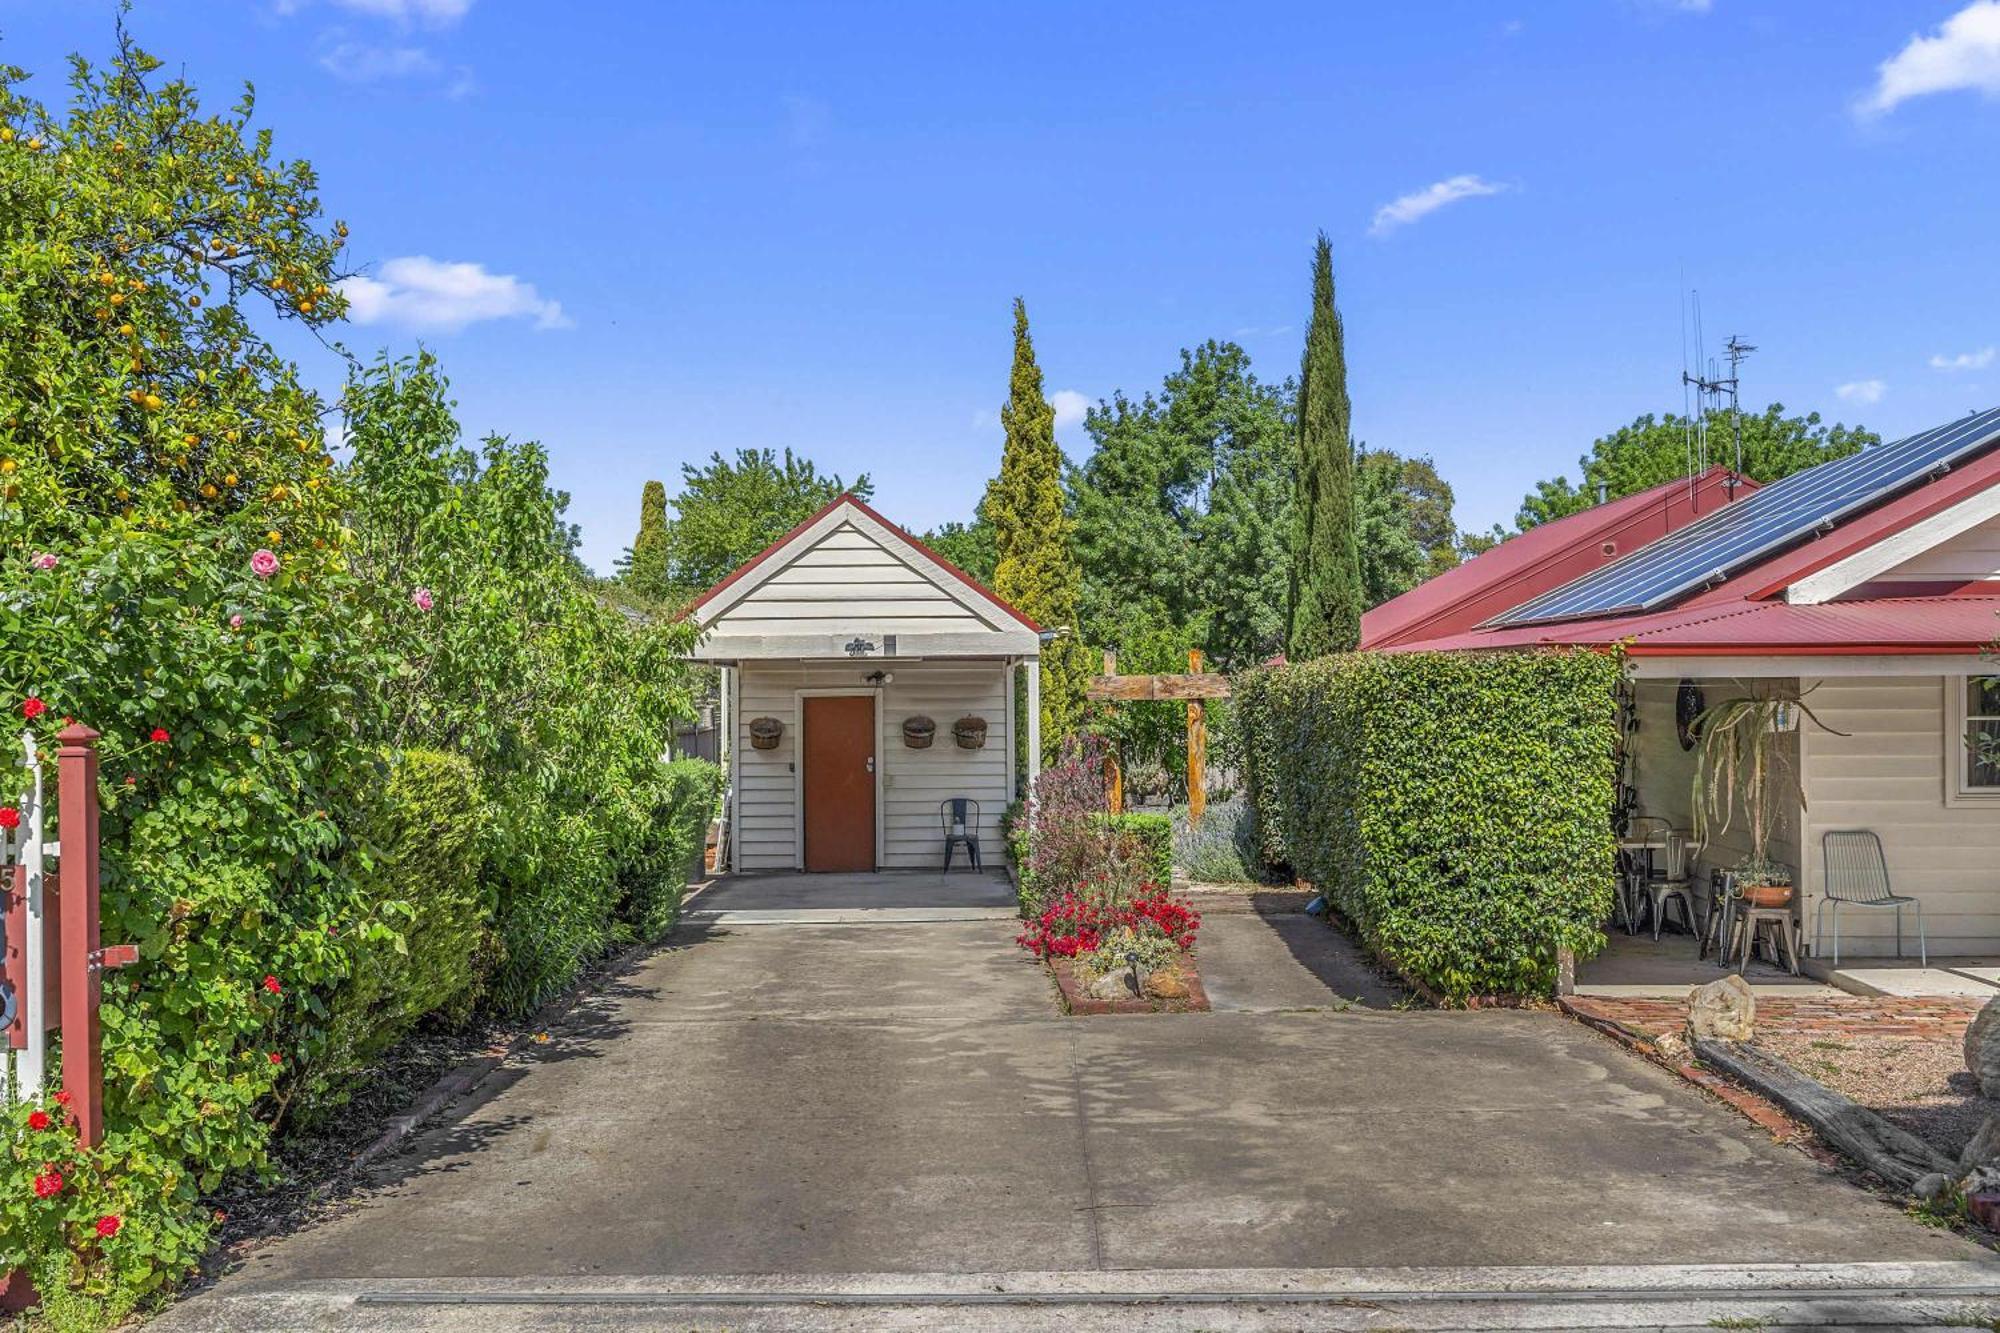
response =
{"points": [[1076, 924]]}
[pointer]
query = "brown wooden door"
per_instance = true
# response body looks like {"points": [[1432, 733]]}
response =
{"points": [[839, 767]]}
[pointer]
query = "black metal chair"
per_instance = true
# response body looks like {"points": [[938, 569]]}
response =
{"points": [[960, 817]]}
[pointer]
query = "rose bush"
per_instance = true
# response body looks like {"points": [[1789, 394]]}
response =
{"points": [[264, 634]]}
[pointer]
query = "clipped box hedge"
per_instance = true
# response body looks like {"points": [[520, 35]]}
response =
{"points": [[1455, 806]]}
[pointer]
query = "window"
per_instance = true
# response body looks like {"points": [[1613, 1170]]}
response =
{"points": [[1973, 748]]}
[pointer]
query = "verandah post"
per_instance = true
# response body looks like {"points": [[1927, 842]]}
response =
{"points": [[82, 982]]}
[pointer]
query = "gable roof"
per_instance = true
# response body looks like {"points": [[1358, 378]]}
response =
{"points": [[1542, 559], [718, 595], [1747, 613]]}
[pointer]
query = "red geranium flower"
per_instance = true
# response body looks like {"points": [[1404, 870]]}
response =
{"points": [[33, 708], [107, 1225], [49, 1183], [39, 1120], [9, 817], [159, 736], [62, 1098], [271, 985], [277, 1059]]}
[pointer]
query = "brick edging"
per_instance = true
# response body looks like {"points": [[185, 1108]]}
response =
{"points": [[1076, 1003], [1758, 1110]]}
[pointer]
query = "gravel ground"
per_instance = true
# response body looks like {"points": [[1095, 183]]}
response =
{"points": [[1918, 1083]]}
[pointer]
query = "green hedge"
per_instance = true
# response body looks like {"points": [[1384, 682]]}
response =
{"points": [[1455, 806], [1156, 832], [425, 889]]}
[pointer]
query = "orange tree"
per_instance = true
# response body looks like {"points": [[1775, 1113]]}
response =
{"points": [[173, 572]]}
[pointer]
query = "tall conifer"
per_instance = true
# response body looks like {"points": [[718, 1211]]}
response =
{"points": [[645, 563], [1326, 595], [1036, 569]]}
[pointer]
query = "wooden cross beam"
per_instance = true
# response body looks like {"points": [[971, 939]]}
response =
{"points": [[1193, 687]]}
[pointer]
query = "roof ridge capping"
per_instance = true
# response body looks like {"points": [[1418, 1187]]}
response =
{"points": [[1771, 519]]}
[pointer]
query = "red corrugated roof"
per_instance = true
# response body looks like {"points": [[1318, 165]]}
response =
{"points": [[1542, 559], [848, 498], [1885, 625]]}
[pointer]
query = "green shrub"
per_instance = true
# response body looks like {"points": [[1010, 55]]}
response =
{"points": [[1257, 756], [1155, 835], [1456, 807], [653, 873], [425, 891]]}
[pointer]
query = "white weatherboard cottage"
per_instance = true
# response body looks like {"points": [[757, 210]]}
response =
{"points": [[833, 638]]}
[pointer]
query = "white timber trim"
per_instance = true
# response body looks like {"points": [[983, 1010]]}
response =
{"points": [[995, 644], [1013, 743], [1895, 549], [1652, 667], [799, 698], [1034, 752], [734, 693], [1956, 793]]}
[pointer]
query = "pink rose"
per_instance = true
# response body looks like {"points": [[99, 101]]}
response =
{"points": [[263, 564], [236, 621], [44, 560], [421, 599]]}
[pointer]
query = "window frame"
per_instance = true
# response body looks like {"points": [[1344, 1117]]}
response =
{"points": [[1957, 757]]}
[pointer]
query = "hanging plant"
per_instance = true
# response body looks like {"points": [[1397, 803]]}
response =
{"points": [[764, 733], [1740, 763], [969, 732], [919, 732]]}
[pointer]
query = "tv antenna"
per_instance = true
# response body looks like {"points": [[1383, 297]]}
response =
{"points": [[1711, 391]]}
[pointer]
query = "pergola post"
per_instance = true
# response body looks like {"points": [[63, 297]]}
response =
{"points": [[1197, 746], [1114, 776]]}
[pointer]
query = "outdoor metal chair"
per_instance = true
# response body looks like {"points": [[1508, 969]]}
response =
{"points": [[1718, 925], [1674, 885], [1635, 868], [1857, 875], [960, 817]]}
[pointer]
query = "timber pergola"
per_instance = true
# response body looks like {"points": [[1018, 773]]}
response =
{"points": [[1194, 686]]}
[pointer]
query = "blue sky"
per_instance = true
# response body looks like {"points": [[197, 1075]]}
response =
{"points": [[641, 232]]}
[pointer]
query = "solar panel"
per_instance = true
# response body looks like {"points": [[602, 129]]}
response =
{"points": [[1762, 522]]}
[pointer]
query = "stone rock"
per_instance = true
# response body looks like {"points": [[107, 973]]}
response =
{"points": [[1930, 1186], [1673, 1048], [1984, 1149], [1980, 1180], [1166, 984], [1113, 986], [1982, 1048], [1724, 1010]]}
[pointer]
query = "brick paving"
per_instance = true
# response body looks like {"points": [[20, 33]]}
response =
{"points": [[1944, 1017]]}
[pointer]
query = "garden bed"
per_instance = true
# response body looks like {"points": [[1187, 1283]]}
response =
{"points": [[1076, 1002], [1917, 1083]]}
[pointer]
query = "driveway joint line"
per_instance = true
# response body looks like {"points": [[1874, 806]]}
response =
{"points": [[1090, 1210]]}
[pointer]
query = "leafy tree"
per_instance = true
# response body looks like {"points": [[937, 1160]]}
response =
{"points": [[730, 509], [1653, 450], [1183, 509], [644, 565], [1403, 511], [967, 545], [1326, 593], [1034, 568]]}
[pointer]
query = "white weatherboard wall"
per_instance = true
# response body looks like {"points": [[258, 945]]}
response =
{"points": [[843, 583], [1971, 555], [913, 781], [1888, 774]]}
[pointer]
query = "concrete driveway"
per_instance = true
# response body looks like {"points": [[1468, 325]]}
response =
{"points": [[869, 1094]]}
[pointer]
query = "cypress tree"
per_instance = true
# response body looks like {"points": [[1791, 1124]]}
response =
{"points": [[645, 563], [1326, 596], [1035, 569]]}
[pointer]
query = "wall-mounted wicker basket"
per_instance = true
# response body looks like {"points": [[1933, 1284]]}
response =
{"points": [[764, 733], [969, 732], [919, 732]]}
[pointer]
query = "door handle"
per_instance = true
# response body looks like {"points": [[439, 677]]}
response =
{"points": [[871, 763]]}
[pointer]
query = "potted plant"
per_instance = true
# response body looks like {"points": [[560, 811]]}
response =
{"points": [[1739, 763]]}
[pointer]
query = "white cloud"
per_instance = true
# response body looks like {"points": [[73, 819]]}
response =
{"points": [[433, 13], [1861, 391], [358, 62], [1070, 407], [1978, 360], [419, 292], [1962, 55], [1422, 203]]}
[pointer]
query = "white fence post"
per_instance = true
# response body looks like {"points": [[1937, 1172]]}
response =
{"points": [[25, 846]]}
